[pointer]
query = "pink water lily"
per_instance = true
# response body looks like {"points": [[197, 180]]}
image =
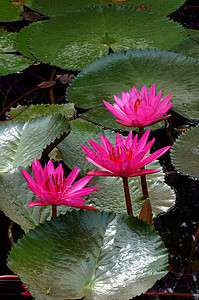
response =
{"points": [[125, 159], [140, 109], [53, 189]]}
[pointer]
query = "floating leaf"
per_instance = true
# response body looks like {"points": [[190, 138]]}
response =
{"points": [[10, 10], [21, 142], [118, 72], [185, 153], [28, 113], [189, 47], [110, 195], [22, 40], [59, 42], [7, 41], [91, 254], [12, 63], [56, 7]]}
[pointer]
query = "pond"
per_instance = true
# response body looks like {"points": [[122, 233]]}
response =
{"points": [[56, 69]]}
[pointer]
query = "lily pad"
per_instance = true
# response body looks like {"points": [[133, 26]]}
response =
{"points": [[11, 10], [91, 254], [22, 40], [189, 47], [185, 153], [118, 72], [21, 142], [26, 113], [110, 195], [56, 7], [59, 42], [12, 63], [7, 41]]}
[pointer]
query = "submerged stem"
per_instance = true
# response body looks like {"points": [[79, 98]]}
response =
{"points": [[143, 177], [127, 196], [54, 210]]}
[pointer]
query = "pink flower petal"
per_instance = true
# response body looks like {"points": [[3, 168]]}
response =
{"points": [[143, 172], [36, 203], [72, 176], [82, 192], [154, 156], [101, 173], [80, 184]]}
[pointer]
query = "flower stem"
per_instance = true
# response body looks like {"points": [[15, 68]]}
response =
{"points": [[54, 210], [127, 196], [143, 177]]}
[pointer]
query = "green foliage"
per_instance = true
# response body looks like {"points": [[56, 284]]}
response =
{"points": [[56, 7], [22, 142], [188, 47], [59, 42], [185, 153], [11, 10], [25, 113], [91, 254]]}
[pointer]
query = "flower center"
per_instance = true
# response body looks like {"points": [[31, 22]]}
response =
{"points": [[57, 181], [137, 104], [115, 154]]}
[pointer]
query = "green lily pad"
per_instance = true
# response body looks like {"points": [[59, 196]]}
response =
{"points": [[110, 195], [59, 42], [33, 111], [12, 63], [185, 153], [118, 72], [91, 254], [7, 41], [56, 7], [11, 10], [21, 142], [22, 40], [189, 47]]}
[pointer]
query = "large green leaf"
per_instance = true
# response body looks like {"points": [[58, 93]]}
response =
{"points": [[92, 254], [22, 40], [21, 142], [110, 195], [118, 72], [185, 153], [7, 41], [60, 43], [11, 10], [189, 47], [12, 63], [55, 7], [33, 111]]}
